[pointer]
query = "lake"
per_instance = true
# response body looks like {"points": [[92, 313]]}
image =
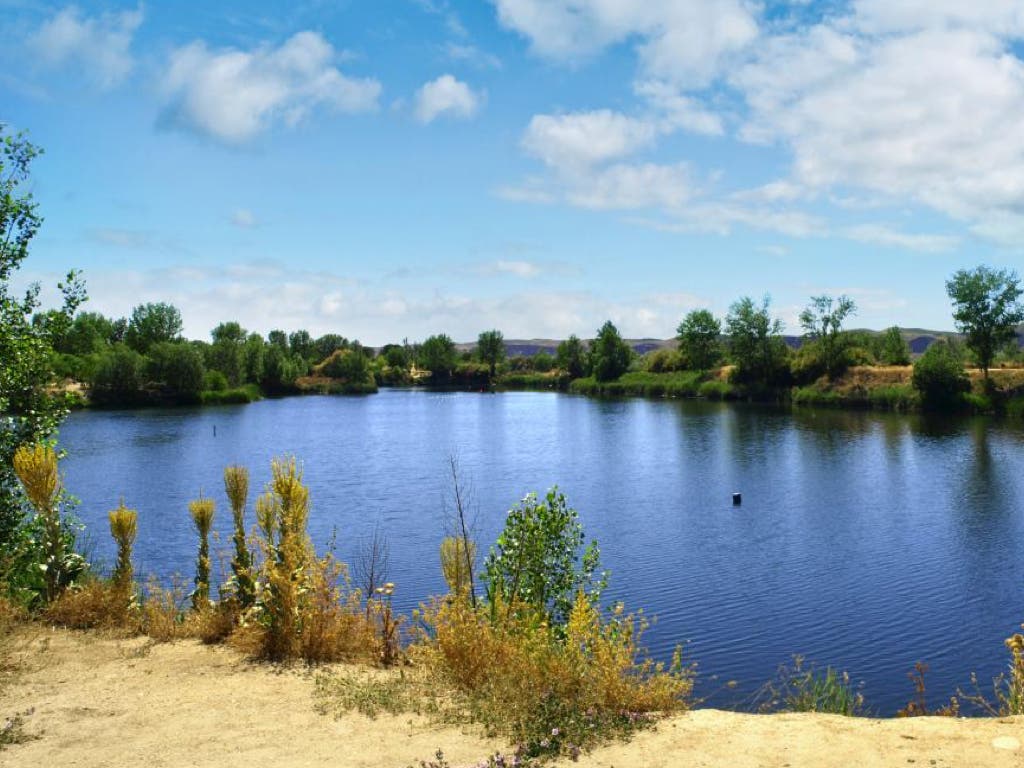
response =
{"points": [[864, 541]]}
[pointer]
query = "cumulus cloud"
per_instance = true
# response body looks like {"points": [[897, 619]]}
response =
{"points": [[446, 96], [910, 114], [687, 43], [233, 95], [99, 45], [891, 104]]}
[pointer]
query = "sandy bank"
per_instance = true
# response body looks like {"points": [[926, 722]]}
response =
{"points": [[108, 702]]}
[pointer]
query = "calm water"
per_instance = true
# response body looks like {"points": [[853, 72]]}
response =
{"points": [[864, 541]]}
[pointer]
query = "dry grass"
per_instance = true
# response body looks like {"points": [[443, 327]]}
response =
{"points": [[97, 604]]}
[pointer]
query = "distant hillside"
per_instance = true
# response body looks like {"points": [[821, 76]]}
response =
{"points": [[919, 340]]}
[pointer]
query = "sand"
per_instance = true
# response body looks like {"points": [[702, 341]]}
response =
{"points": [[100, 701]]}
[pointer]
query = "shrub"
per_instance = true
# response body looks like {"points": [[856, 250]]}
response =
{"points": [[939, 377], [301, 610], [520, 680], [96, 604], [123, 528], [457, 556]]}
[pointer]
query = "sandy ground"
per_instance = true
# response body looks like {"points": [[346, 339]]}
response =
{"points": [[108, 702]]}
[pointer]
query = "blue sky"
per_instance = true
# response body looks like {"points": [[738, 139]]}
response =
{"points": [[396, 168]]}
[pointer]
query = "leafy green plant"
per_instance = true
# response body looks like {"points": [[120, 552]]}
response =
{"points": [[539, 560]]}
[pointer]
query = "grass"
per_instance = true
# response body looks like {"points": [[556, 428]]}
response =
{"points": [[800, 688], [552, 380], [367, 693]]}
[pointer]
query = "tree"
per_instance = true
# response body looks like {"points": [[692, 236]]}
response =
{"points": [[755, 342], [119, 376], [227, 354], [151, 324], [329, 343], [301, 343], [892, 348], [610, 355], [985, 310], [437, 355], [90, 332], [822, 321], [539, 559], [253, 355], [490, 347], [29, 414], [350, 365], [572, 357], [278, 339], [940, 378], [698, 336], [179, 367]]}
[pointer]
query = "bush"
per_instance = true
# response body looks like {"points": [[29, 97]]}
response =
{"points": [[808, 689], [119, 377], [550, 694], [940, 378]]}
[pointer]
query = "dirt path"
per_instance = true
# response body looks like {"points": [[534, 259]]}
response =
{"points": [[108, 702]]}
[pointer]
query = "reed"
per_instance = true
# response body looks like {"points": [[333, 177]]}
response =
{"points": [[202, 511], [236, 485]]}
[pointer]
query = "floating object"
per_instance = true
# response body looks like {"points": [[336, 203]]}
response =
{"points": [[737, 499]]}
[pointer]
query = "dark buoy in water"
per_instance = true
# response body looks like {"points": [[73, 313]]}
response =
{"points": [[737, 499]]}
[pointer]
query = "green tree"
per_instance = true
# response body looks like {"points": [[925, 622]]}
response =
{"points": [[940, 378], [892, 348], [278, 339], [822, 321], [572, 357], [699, 339], [985, 309], [609, 355], [89, 332], [29, 414], [253, 355], [227, 353], [151, 324], [301, 343], [395, 355], [490, 347], [351, 365], [437, 355], [178, 367], [755, 343], [120, 376], [329, 343], [539, 559]]}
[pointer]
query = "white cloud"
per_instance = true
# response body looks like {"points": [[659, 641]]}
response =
{"points": [[687, 43], [877, 234], [233, 95], [243, 218], [446, 96], [581, 139], [100, 45]]}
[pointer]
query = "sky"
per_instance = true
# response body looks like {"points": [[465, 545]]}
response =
{"points": [[390, 169]]}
